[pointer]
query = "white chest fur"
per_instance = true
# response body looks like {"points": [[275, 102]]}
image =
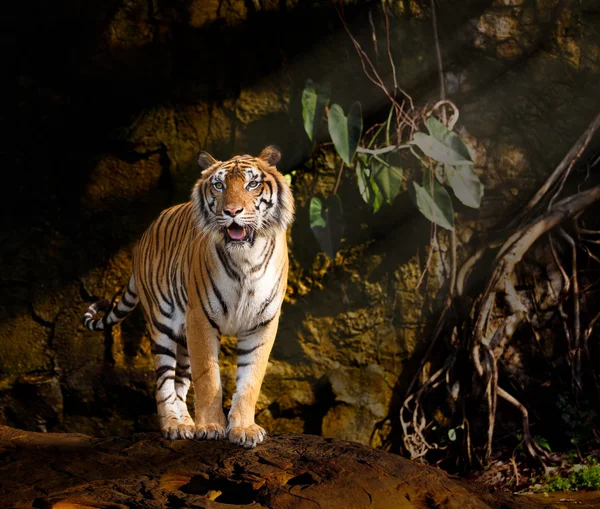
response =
{"points": [[247, 281]]}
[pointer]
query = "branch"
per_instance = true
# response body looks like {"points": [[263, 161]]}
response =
{"points": [[565, 166], [576, 345], [534, 450], [561, 211]]}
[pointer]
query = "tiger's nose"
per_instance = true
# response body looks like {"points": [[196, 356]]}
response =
{"points": [[232, 212]]}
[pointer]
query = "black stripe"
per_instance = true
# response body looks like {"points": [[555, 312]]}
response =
{"points": [[265, 247], [157, 290], [133, 294], [205, 193], [205, 292], [246, 351], [184, 294], [163, 381], [161, 350], [278, 209], [162, 370], [210, 320], [183, 375], [201, 201], [160, 251], [165, 399], [228, 269], [167, 331], [120, 313], [269, 203], [270, 298], [182, 367], [217, 293], [165, 218], [126, 301], [180, 305], [265, 262], [144, 250], [243, 364], [261, 324], [176, 236]]}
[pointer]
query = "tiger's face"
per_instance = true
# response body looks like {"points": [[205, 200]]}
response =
{"points": [[243, 197]]}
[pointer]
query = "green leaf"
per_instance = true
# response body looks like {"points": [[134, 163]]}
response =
{"points": [[436, 128], [441, 144], [362, 176], [542, 442], [315, 211], [326, 223], [378, 183], [438, 151], [378, 199], [437, 207], [452, 435], [449, 138], [366, 186], [345, 131], [388, 180], [313, 106], [466, 184]]}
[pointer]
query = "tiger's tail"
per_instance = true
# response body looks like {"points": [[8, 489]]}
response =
{"points": [[129, 300]]}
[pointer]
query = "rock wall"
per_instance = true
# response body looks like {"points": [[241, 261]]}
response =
{"points": [[110, 101]]}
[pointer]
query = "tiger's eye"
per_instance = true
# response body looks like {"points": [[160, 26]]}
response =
{"points": [[218, 186], [253, 184]]}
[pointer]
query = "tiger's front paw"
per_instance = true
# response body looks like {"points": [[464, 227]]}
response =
{"points": [[211, 431], [175, 429], [248, 437]]}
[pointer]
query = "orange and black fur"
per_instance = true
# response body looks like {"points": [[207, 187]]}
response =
{"points": [[215, 265]]}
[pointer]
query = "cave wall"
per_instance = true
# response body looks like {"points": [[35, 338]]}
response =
{"points": [[107, 104]]}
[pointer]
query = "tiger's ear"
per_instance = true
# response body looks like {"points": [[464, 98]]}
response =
{"points": [[270, 155], [205, 160]]}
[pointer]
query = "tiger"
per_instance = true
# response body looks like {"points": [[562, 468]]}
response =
{"points": [[215, 265]]}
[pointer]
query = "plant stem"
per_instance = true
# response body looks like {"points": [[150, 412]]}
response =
{"points": [[339, 178], [438, 56], [383, 150]]}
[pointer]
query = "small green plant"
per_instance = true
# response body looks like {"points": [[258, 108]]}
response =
{"points": [[440, 152], [582, 477]]}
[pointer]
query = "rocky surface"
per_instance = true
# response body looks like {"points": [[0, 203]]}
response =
{"points": [[286, 471]]}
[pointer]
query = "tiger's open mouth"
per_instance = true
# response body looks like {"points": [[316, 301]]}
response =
{"points": [[237, 233]]}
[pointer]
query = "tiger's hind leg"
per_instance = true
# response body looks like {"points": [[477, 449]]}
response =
{"points": [[175, 421]]}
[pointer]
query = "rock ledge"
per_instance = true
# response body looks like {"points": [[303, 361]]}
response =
{"points": [[62, 471]]}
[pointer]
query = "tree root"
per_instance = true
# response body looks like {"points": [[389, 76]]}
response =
{"points": [[498, 311], [534, 450]]}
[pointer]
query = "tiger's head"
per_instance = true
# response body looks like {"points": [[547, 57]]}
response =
{"points": [[243, 197]]}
